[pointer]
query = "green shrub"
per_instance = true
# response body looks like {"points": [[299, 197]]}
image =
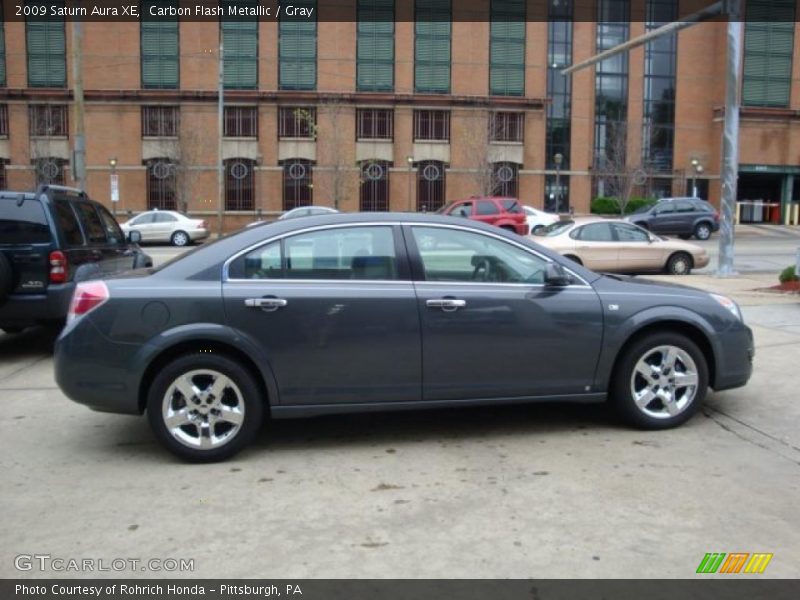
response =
{"points": [[610, 206], [788, 275]]}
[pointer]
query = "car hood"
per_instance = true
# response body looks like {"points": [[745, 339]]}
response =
{"points": [[631, 283]]}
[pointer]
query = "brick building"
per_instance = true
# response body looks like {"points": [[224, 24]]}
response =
{"points": [[381, 112]]}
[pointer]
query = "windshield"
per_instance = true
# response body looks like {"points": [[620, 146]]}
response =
{"points": [[554, 228], [445, 208]]}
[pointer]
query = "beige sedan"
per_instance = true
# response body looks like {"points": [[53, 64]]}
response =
{"points": [[618, 246]]}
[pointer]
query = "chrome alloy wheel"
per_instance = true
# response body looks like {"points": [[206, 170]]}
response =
{"points": [[203, 409], [664, 382]]}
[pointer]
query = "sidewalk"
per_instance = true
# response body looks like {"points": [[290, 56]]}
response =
{"points": [[744, 288], [767, 230]]}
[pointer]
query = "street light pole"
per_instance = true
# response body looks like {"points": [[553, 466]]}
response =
{"points": [[410, 161], [558, 159], [220, 134], [113, 185]]}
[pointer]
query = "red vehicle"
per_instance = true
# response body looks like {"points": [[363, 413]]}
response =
{"points": [[503, 212]]}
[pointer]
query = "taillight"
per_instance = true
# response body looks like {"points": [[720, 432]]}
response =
{"points": [[88, 296], [58, 267], [203, 225], [716, 216]]}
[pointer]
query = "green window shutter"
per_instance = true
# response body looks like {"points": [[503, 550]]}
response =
{"points": [[433, 30], [47, 50], [160, 49], [507, 48], [375, 48], [240, 38], [768, 49], [2, 54], [297, 51]]}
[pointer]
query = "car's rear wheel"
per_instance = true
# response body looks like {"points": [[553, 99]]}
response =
{"points": [[180, 238], [205, 407], [679, 263], [660, 381], [702, 231], [6, 278], [574, 258]]}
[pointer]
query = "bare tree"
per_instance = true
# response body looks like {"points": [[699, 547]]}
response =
{"points": [[619, 173], [476, 139], [179, 156]]}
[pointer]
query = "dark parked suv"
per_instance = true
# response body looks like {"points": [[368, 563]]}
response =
{"points": [[684, 217], [49, 240]]}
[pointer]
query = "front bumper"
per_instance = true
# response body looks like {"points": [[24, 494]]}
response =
{"points": [[736, 351], [24, 310]]}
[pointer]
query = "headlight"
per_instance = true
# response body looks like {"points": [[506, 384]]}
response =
{"points": [[728, 304]]}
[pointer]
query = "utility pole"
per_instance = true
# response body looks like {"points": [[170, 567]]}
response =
{"points": [[220, 133], [79, 149], [730, 139]]}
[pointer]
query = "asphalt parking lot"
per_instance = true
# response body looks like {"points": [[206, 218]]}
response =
{"points": [[529, 491]]}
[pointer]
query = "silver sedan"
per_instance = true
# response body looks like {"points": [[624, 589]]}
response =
{"points": [[167, 226]]}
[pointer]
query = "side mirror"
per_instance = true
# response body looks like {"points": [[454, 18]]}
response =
{"points": [[134, 237], [555, 275]]}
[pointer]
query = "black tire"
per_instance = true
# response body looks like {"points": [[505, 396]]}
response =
{"points": [[249, 401], [621, 389], [702, 231], [574, 259], [679, 263], [180, 238], [6, 278]]}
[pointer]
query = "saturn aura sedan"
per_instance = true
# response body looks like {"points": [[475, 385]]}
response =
{"points": [[616, 246], [347, 313]]}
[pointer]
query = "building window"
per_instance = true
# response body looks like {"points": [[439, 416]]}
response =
{"points": [[48, 120], [507, 48], [3, 180], [611, 87], [374, 190], [432, 31], [432, 125], [160, 121], [374, 124], [505, 176], [2, 51], [241, 121], [239, 184], [160, 45], [297, 51], [556, 194], [559, 87], [431, 185], [49, 170], [161, 184], [240, 38], [297, 122], [659, 89], [768, 47], [297, 183], [375, 46], [4, 120], [507, 127], [46, 46]]}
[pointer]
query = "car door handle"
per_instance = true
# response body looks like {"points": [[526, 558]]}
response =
{"points": [[265, 304], [446, 304]]}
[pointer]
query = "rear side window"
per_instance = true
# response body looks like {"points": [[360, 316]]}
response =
{"points": [[24, 224], [597, 232], [164, 218], [68, 223], [512, 206], [113, 232], [487, 207], [91, 223], [684, 206]]}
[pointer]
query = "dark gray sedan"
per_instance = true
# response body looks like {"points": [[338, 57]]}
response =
{"points": [[352, 313]]}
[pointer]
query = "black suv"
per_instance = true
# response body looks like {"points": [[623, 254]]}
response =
{"points": [[684, 217], [49, 240]]}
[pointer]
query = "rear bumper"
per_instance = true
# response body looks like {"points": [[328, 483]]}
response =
{"points": [[736, 352], [92, 370], [23, 310], [198, 234]]}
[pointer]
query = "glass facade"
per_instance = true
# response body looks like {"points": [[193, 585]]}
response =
{"points": [[659, 89], [559, 87]]}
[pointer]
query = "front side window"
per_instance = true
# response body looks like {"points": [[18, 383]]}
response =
{"points": [[663, 209], [455, 255], [113, 232], [487, 207], [461, 210], [261, 263]]}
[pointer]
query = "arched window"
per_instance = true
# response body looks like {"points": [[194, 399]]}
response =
{"points": [[506, 179], [49, 170], [239, 184], [374, 189], [161, 184], [431, 185], [297, 183]]}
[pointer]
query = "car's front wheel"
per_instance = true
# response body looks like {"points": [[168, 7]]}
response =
{"points": [[702, 231], [180, 238], [660, 381], [205, 407], [679, 263]]}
